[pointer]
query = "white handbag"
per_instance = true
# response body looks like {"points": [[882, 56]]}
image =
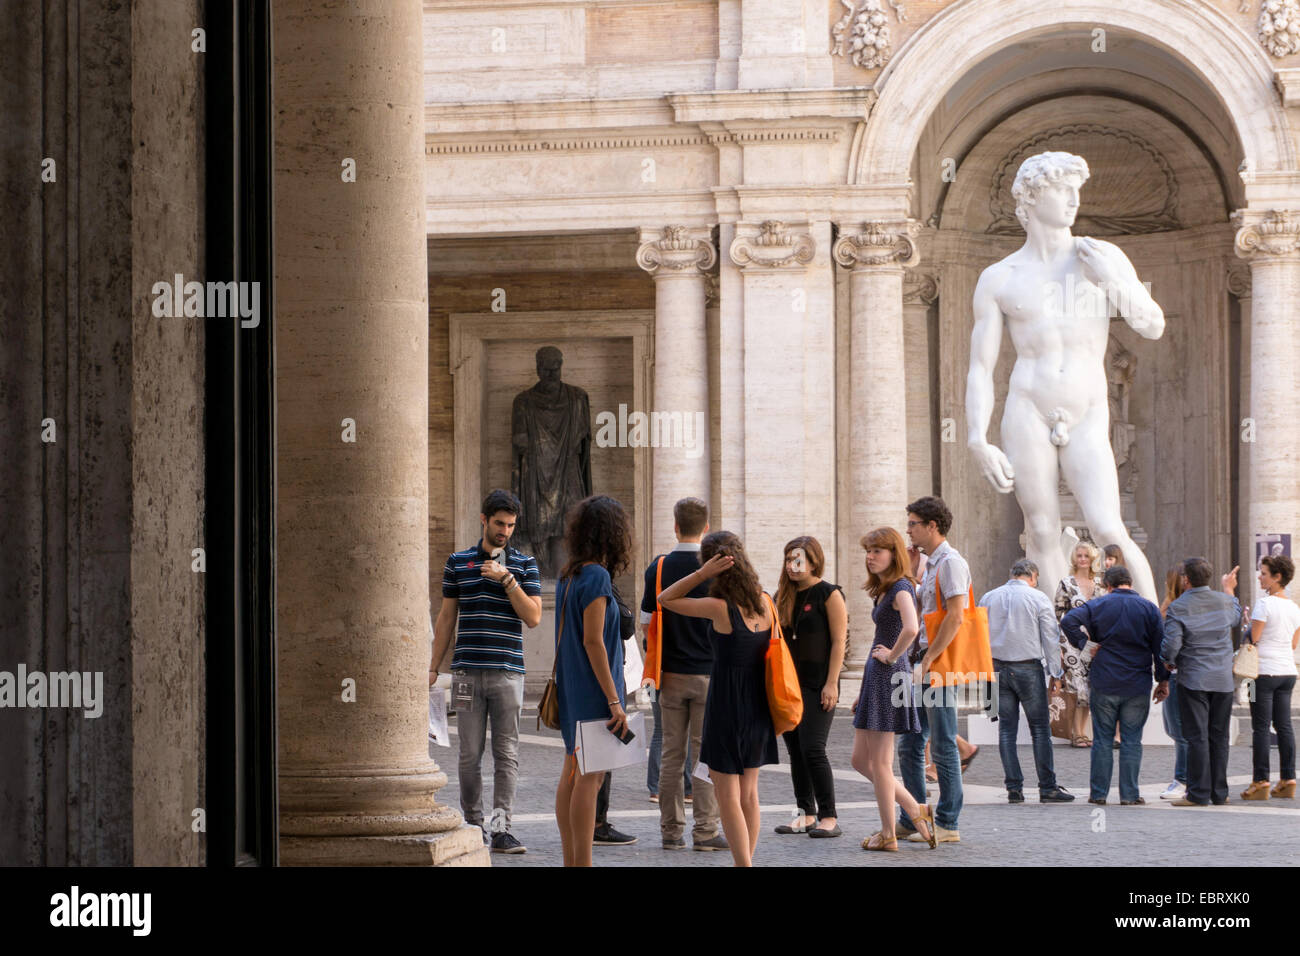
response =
{"points": [[1245, 663]]}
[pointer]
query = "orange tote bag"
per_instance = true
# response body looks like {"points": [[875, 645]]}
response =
{"points": [[654, 633], [784, 698], [967, 658]]}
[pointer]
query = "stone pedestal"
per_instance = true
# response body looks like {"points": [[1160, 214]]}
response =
{"points": [[877, 255], [356, 783], [1271, 244], [679, 260]]}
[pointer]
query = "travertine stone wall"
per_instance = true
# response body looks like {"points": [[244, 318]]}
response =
{"points": [[96, 528], [167, 466]]}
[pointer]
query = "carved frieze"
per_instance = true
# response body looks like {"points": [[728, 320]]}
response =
{"points": [[1279, 26], [862, 33]]}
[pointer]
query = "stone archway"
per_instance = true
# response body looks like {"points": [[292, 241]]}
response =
{"points": [[1229, 64], [1181, 102]]}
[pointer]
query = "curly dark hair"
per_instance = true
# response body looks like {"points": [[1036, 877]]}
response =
{"points": [[1280, 565], [933, 509], [597, 529], [737, 585]]}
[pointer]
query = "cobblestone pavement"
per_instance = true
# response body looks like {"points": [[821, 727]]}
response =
{"points": [[993, 833]]}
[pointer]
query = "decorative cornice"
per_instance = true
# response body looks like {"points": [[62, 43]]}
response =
{"points": [[880, 244], [597, 143], [773, 248], [775, 136], [676, 250], [1276, 234], [920, 287], [566, 144]]}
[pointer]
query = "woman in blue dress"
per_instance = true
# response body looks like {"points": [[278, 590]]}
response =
{"points": [[588, 656], [738, 737], [885, 704]]}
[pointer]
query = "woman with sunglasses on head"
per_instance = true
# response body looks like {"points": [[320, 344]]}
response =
{"points": [[815, 623], [738, 736]]}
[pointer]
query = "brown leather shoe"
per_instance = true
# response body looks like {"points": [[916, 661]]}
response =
{"points": [[1284, 789]]}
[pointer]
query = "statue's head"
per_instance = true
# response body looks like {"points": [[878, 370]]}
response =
{"points": [[549, 361], [1046, 189]]}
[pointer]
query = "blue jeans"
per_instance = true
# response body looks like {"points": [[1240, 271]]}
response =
{"points": [[1131, 713], [657, 752], [1021, 683], [1174, 728], [939, 726]]}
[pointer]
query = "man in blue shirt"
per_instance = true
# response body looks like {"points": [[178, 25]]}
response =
{"points": [[1198, 645], [488, 592], [1022, 634], [1126, 630]]}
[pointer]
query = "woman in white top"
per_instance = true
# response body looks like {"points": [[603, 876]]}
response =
{"points": [[1275, 631]]}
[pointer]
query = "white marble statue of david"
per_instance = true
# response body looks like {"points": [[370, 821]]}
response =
{"points": [[1056, 294]]}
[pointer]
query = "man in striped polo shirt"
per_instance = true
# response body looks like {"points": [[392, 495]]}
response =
{"points": [[489, 591]]}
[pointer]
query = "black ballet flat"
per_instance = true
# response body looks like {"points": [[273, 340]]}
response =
{"points": [[817, 833]]}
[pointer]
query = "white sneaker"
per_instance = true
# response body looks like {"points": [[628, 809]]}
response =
{"points": [[1174, 791]]}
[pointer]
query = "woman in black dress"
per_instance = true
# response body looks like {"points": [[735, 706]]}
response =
{"points": [[885, 704], [815, 622], [738, 737]]}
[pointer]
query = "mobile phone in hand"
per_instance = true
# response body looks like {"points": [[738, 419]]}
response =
{"points": [[626, 736]]}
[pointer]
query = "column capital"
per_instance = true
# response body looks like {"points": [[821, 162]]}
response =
{"points": [[677, 250], [772, 247], [880, 244], [1272, 234], [1239, 280], [920, 287]]}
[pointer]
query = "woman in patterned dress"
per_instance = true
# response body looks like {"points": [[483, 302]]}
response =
{"points": [[1075, 589]]}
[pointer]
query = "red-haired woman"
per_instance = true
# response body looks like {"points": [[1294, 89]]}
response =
{"points": [[738, 736], [815, 622], [885, 704]]}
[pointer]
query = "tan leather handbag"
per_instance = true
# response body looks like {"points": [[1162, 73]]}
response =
{"points": [[548, 708]]}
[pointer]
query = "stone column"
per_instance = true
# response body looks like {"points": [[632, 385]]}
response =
{"points": [[1270, 242], [679, 259], [788, 379], [878, 420], [356, 783]]}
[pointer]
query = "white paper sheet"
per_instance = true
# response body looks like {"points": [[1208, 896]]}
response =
{"points": [[632, 666], [438, 718], [598, 749], [702, 771]]}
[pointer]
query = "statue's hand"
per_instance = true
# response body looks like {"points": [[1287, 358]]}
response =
{"points": [[995, 466], [1099, 267]]}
